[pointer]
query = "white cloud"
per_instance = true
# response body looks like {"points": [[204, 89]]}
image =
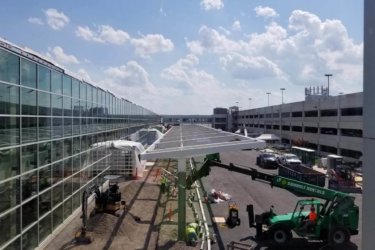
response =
{"points": [[265, 11], [56, 20], [212, 4], [35, 20], [195, 47], [151, 44], [131, 74], [104, 34], [84, 75], [57, 54], [236, 26]]}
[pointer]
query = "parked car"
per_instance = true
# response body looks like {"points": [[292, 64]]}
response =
{"points": [[289, 159], [267, 160]]}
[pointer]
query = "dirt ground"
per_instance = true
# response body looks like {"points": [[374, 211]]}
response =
{"points": [[148, 222]]}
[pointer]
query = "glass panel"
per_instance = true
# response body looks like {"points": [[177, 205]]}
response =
{"points": [[29, 185], [67, 106], [56, 86], [76, 182], [76, 145], [57, 194], [30, 238], [44, 178], [82, 91], [67, 208], [68, 147], [68, 165], [15, 245], [29, 212], [76, 163], [45, 202], [57, 216], [57, 104], [68, 126], [9, 163], [9, 225], [29, 157], [9, 99], [76, 108], [76, 200], [10, 194], [57, 130], [44, 153], [28, 73], [45, 227], [89, 93], [29, 125], [57, 150], [28, 99], [44, 103], [9, 131], [44, 78], [76, 126], [9, 67], [67, 187], [57, 172], [67, 85], [45, 128], [75, 88]]}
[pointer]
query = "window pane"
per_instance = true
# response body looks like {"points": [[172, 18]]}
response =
{"points": [[29, 212], [57, 150], [82, 91], [45, 227], [44, 78], [57, 194], [67, 85], [29, 157], [30, 238], [9, 225], [57, 216], [67, 187], [28, 101], [68, 167], [28, 73], [9, 163], [57, 105], [9, 67], [76, 108], [44, 178], [68, 147], [9, 131], [29, 125], [29, 185], [44, 153], [67, 106], [76, 126], [67, 208], [56, 86], [45, 128], [67, 126], [9, 99], [57, 172], [57, 131], [75, 88], [10, 194], [44, 103]]}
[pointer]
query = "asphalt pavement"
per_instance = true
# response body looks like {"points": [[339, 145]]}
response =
{"points": [[262, 196]]}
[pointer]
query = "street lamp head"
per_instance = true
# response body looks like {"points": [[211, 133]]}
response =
{"points": [[268, 93], [328, 74], [282, 89]]}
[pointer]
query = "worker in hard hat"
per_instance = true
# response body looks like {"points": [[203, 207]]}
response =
{"points": [[310, 220]]}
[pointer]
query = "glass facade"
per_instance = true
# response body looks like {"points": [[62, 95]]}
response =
{"points": [[49, 122]]}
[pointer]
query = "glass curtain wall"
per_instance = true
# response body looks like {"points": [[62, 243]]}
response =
{"points": [[49, 122]]}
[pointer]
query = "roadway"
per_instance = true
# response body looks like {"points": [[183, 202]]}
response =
{"points": [[245, 191]]}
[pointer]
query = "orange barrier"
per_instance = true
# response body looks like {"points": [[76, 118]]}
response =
{"points": [[170, 213]]}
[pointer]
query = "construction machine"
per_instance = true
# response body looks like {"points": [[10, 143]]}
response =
{"points": [[108, 201], [337, 215]]}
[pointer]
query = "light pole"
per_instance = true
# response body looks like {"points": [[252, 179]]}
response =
{"points": [[328, 75], [268, 93], [282, 95], [249, 103]]}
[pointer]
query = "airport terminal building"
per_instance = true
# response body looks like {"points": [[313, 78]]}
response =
{"points": [[48, 121]]}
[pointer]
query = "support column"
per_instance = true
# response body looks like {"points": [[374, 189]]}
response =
{"points": [[368, 206], [181, 199]]}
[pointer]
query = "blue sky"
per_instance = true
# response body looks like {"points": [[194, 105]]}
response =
{"points": [[189, 56]]}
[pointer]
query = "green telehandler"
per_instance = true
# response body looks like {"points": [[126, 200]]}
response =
{"points": [[337, 216]]}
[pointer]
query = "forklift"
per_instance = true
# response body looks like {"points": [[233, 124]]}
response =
{"points": [[338, 215]]}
